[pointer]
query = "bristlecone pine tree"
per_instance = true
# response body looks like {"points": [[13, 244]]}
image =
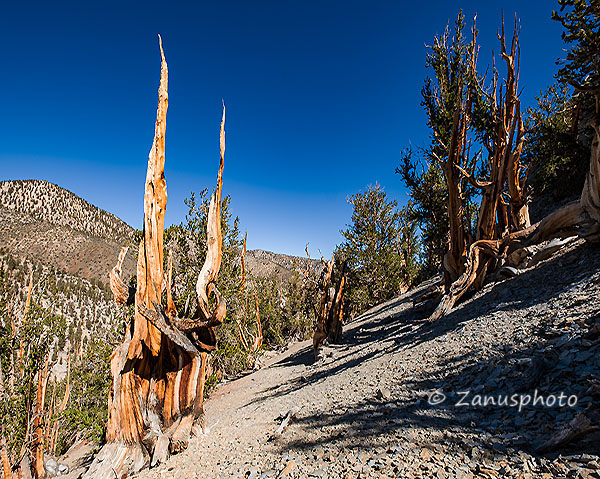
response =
{"points": [[579, 218], [160, 368], [501, 236]]}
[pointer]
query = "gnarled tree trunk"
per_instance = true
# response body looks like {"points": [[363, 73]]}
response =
{"points": [[580, 217], [159, 370], [257, 339], [497, 217], [331, 309]]}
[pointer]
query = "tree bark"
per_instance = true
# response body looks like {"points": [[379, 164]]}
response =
{"points": [[455, 257], [320, 334], [331, 309], [337, 313], [6, 469], [494, 219]]}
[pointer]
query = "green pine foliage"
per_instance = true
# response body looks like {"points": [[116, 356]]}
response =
{"points": [[581, 21], [282, 308], [558, 158], [429, 208], [87, 408], [380, 249]]}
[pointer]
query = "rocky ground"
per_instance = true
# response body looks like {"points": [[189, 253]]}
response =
{"points": [[385, 402]]}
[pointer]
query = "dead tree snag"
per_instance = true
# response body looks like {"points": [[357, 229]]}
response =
{"points": [[37, 447], [257, 339], [159, 370], [331, 308]]}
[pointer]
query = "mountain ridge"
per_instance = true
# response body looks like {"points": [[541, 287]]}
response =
{"points": [[47, 223]]}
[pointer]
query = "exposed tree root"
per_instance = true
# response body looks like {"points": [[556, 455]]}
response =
{"points": [[584, 423]]}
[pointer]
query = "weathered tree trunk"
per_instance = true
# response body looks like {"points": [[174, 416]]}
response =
{"points": [[257, 339], [61, 409], [336, 318], [519, 205], [6, 469], [159, 370], [455, 257], [320, 334], [24, 471], [37, 447], [504, 167], [504, 154], [21, 351], [242, 296], [331, 309], [577, 218]]}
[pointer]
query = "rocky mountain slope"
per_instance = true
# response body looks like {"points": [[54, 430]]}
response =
{"points": [[50, 225], [71, 245], [266, 264], [388, 401]]}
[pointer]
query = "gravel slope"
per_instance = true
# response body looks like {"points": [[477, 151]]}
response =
{"points": [[365, 406]]}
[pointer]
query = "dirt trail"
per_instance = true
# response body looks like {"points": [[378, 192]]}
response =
{"points": [[365, 407]]}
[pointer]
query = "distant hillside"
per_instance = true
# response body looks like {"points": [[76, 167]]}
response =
{"points": [[45, 223], [52, 204], [266, 264]]}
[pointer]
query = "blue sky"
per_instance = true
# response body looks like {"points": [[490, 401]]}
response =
{"points": [[322, 97]]}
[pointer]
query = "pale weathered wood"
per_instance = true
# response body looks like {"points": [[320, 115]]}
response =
{"points": [[336, 318], [181, 435], [24, 471], [118, 287], [258, 339], [584, 423], [21, 351], [242, 296], [214, 240], [320, 333], [331, 308], [61, 409], [37, 447]]}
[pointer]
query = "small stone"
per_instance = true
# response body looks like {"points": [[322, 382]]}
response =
{"points": [[384, 394], [51, 467]]}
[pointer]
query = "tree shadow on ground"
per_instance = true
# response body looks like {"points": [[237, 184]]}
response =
{"points": [[406, 328], [528, 372], [546, 365]]}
